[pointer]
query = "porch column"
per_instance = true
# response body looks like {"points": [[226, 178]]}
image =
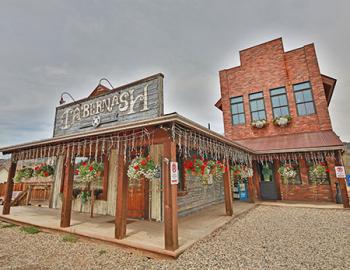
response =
{"points": [[256, 178], [332, 177], [67, 192], [121, 210], [227, 190], [170, 199], [251, 195], [342, 185], [278, 180], [9, 188]]}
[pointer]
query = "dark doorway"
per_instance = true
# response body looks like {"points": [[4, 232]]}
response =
{"points": [[267, 181]]}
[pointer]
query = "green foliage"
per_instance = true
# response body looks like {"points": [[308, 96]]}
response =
{"points": [[43, 170], [89, 172], [24, 173], [84, 196], [30, 230], [8, 226], [71, 238]]}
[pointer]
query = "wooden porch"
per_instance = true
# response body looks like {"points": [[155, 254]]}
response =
{"points": [[141, 235]]}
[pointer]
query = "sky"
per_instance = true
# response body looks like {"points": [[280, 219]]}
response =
{"points": [[48, 47]]}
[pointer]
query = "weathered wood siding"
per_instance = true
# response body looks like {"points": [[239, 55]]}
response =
{"points": [[111, 108]]}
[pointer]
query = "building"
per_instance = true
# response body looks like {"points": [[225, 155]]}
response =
{"points": [[276, 104], [4, 169]]}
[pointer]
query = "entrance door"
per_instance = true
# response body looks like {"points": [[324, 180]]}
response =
{"points": [[267, 182], [138, 200]]}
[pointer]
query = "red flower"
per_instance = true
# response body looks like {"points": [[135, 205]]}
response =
{"points": [[76, 172], [136, 167], [226, 168], [91, 168], [46, 174], [148, 157], [143, 162], [327, 170], [84, 164], [37, 168], [194, 156]]}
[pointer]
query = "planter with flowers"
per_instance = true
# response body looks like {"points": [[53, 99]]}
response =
{"points": [[242, 172], [204, 168], [41, 173], [282, 121], [259, 123], [90, 175], [142, 167]]}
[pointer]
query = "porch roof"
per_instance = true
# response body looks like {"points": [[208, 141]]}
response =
{"points": [[300, 142], [162, 120]]}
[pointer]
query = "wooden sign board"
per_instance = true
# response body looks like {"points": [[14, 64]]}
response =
{"points": [[136, 101]]}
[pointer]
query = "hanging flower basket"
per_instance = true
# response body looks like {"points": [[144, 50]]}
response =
{"points": [[142, 167], [259, 123], [89, 172], [288, 173], [282, 121], [318, 172], [40, 173], [204, 168], [242, 172]]}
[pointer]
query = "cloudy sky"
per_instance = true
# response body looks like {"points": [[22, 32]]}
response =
{"points": [[52, 46]]}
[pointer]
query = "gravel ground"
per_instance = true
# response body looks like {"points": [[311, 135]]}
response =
{"points": [[265, 238]]}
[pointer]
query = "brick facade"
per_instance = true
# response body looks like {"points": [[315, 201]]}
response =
{"points": [[266, 67]]}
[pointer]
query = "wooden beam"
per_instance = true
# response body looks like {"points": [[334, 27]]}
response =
{"points": [[122, 198], [66, 209], [228, 191], [251, 195], [171, 238], [9, 189]]}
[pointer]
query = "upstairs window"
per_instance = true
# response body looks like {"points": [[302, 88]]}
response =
{"points": [[279, 102], [257, 106], [303, 98], [237, 110]]}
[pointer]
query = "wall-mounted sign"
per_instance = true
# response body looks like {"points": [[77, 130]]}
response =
{"points": [[136, 101], [340, 172], [174, 173]]}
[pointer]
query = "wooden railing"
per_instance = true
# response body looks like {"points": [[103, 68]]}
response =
{"points": [[37, 194]]}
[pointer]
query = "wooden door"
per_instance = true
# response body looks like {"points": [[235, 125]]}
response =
{"points": [[138, 200]]}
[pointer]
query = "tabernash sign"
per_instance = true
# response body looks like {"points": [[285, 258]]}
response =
{"points": [[139, 100]]}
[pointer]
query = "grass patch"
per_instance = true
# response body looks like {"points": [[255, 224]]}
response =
{"points": [[30, 230], [101, 252], [8, 226], [71, 238]]}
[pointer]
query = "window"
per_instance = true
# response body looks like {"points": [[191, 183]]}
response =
{"points": [[295, 165], [279, 102], [257, 106], [304, 99], [237, 110]]}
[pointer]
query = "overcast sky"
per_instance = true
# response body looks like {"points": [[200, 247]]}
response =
{"points": [[52, 46]]}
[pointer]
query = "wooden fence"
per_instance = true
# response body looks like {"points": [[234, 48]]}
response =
{"points": [[37, 194]]}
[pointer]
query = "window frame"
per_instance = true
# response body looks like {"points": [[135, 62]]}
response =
{"points": [[272, 107], [312, 95], [250, 107], [232, 114]]}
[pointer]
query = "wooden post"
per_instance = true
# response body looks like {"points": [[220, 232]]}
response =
{"points": [[122, 196], [251, 190], [170, 199], [67, 192], [342, 185], [227, 191], [9, 189], [277, 176]]}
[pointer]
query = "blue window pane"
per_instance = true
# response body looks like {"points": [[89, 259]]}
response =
{"points": [[300, 86], [277, 112], [260, 104], [275, 102], [241, 118], [255, 116], [240, 107], [262, 115], [277, 91], [234, 108], [253, 106], [301, 109], [235, 119], [284, 111], [310, 108], [256, 95], [299, 97], [236, 99], [307, 95], [283, 100]]}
